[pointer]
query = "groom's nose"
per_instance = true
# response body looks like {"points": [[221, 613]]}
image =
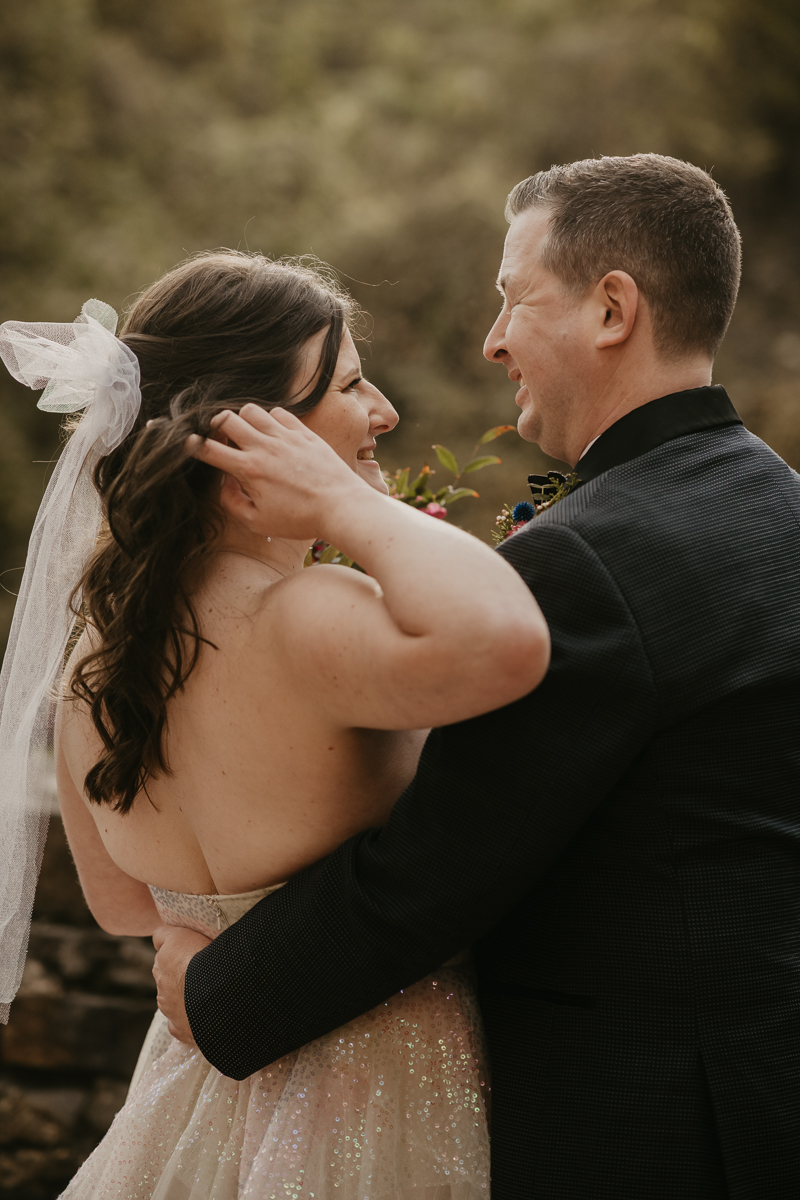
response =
{"points": [[494, 348]]}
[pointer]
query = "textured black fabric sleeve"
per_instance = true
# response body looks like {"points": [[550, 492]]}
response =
{"points": [[494, 801]]}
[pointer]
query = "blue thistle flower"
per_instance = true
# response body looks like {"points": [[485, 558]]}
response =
{"points": [[524, 511]]}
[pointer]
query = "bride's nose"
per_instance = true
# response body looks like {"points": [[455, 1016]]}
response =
{"points": [[382, 416]]}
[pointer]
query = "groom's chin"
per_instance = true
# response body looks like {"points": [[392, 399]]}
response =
{"points": [[549, 442], [527, 427]]}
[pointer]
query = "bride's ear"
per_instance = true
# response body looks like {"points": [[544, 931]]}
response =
{"points": [[235, 500], [232, 496]]}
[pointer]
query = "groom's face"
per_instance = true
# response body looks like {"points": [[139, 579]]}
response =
{"points": [[543, 339]]}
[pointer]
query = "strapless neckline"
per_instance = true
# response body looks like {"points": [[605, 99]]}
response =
{"points": [[209, 913]]}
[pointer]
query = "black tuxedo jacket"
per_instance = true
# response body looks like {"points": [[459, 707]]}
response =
{"points": [[622, 846]]}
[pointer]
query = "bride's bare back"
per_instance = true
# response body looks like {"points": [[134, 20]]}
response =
{"points": [[263, 780], [299, 724]]}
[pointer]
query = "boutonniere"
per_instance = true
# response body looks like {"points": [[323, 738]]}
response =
{"points": [[546, 491]]}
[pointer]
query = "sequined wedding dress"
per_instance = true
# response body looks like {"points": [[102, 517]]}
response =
{"points": [[389, 1107]]}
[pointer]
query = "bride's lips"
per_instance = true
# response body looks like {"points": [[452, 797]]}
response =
{"points": [[521, 395], [369, 468]]}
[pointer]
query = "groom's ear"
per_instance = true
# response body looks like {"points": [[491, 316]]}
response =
{"points": [[617, 298]]}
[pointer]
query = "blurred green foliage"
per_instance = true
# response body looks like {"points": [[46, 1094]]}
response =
{"points": [[382, 137]]}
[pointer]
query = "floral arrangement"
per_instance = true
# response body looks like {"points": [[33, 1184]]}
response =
{"points": [[421, 494], [546, 490], [511, 520]]}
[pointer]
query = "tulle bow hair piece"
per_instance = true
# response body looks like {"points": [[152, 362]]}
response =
{"points": [[81, 365]]}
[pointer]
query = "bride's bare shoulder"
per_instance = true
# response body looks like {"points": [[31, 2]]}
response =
{"points": [[238, 587], [325, 598], [324, 584]]}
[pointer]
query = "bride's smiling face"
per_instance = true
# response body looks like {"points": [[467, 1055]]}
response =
{"points": [[352, 413]]}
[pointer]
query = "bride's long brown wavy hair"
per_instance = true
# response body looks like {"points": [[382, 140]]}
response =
{"points": [[218, 331]]}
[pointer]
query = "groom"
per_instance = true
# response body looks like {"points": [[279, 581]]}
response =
{"points": [[621, 847]]}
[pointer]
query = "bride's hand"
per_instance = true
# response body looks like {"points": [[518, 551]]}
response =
{"points": [[281, 479], [435, 603]]}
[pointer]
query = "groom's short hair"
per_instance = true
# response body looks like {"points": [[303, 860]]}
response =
{"points": [[663, 221]]}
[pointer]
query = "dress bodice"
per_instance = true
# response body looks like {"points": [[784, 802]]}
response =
{"points": [[208, 915]]}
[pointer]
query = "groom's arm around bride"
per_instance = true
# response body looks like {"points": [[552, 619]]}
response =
{"points": [[622, 846]]}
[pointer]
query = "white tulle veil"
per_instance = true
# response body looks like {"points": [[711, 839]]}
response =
{"points": [[82, 365]]}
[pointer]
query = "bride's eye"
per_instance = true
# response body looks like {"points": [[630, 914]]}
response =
{"points": [[353, 384]]}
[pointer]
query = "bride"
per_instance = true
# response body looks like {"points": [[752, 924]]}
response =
{"points": [[227, 718]]}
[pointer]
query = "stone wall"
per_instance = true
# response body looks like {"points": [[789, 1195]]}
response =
{"points": [[71, 1044]]}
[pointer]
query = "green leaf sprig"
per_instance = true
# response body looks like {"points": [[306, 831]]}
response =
{"points": [[420, 493]]}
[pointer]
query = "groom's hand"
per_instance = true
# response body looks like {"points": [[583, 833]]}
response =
{"points": [[175, 948]]}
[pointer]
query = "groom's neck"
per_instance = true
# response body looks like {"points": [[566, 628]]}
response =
{"points": [[623, 395]]}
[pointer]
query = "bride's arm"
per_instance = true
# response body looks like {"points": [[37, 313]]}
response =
{"points": [[495, 803], [444, 629], [119, 903]]}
